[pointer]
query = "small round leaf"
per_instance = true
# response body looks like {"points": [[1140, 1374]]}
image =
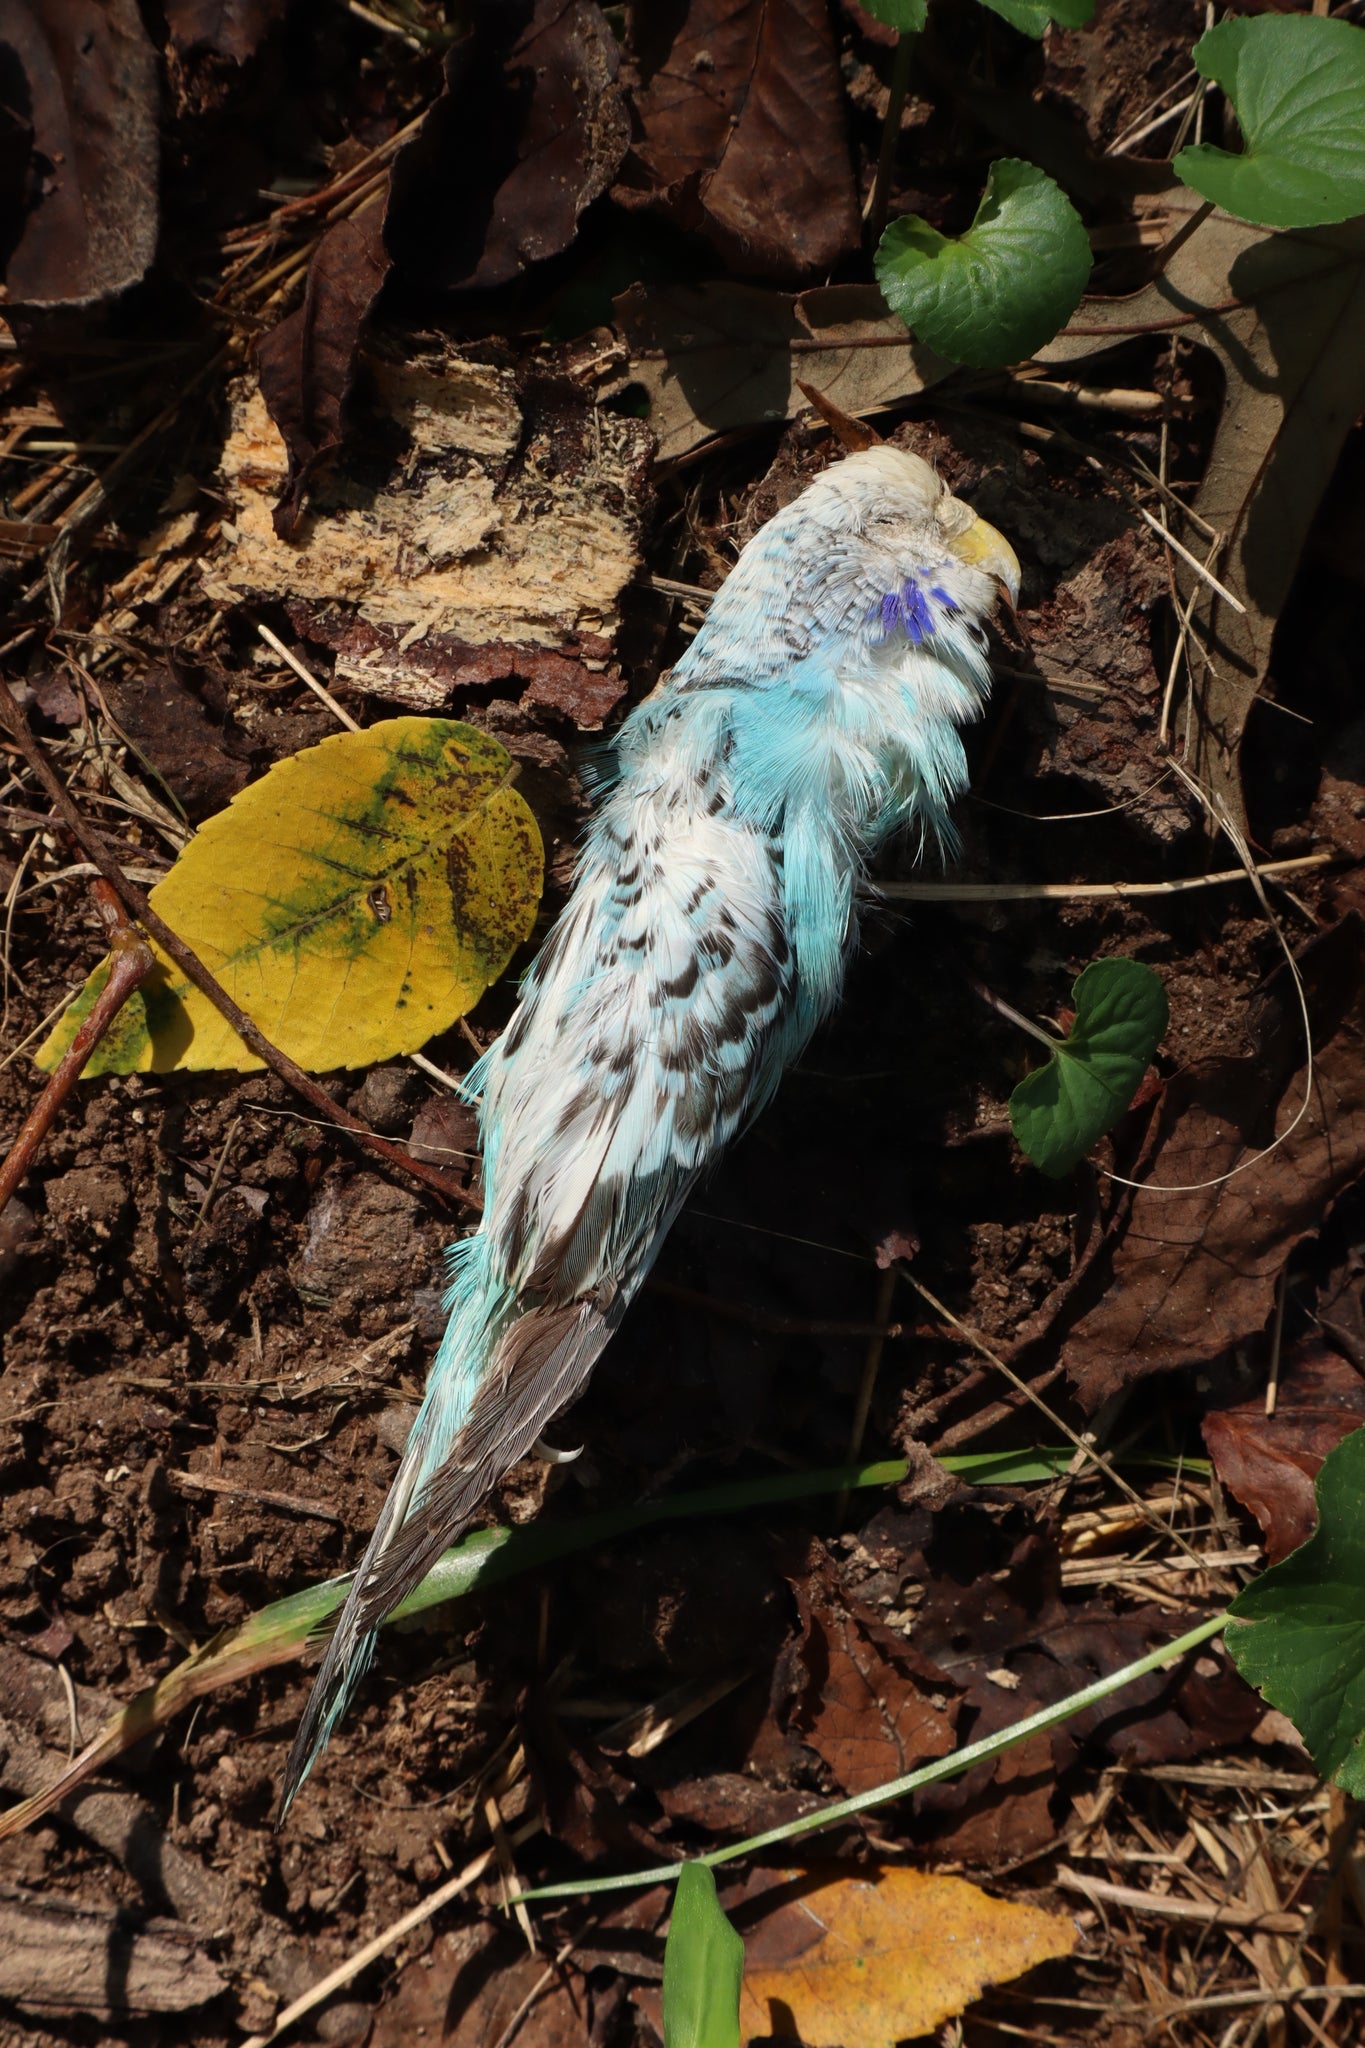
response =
{"points": [[1003, 289], [1059, 1111], [1297, 85], [909, 16], [1033, 16]]}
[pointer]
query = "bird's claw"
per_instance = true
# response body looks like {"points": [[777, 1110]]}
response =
{"points": [[553, 1457]]}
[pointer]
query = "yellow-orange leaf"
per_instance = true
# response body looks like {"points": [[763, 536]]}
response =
{"points": [[858, 1960], [355, 901]]}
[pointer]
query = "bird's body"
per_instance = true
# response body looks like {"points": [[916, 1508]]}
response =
{"points": [[712, 916]]}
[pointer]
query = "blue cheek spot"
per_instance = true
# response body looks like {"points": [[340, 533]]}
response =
{"points": [[908, 610]]}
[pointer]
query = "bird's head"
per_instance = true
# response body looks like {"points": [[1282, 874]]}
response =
{"points": [[930, 541]]}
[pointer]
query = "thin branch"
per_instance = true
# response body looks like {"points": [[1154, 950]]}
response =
{"points": [[188, 961], [1083, 1444], [1201, 569], [425, 1910], [1030, 892], [273, 641], [130, 962], [1180, 237], [879, 197]]}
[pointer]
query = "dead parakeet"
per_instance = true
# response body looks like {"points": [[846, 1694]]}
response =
{"points": [[714, 911]]}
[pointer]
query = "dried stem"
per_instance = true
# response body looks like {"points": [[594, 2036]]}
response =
{"points": [[131, 961], [879, 197], [1180, 237], [135, 902]]}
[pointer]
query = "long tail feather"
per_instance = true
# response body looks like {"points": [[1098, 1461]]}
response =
{"points": [[539, 1365]]}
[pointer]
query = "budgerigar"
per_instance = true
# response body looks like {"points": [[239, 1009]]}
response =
{"points": [[714, 910]]}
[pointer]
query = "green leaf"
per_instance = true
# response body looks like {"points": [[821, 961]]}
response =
{"points": [[1299, 1633], [1093, 1075], [1033, 16], [1003, 289], [703, 1967], [909, 16], [1297, 84]]}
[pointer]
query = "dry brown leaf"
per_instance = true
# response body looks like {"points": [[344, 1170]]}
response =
{"points": [[855, 1961], [716, 356], [871, 1705], [1271, 1461], [1284, 315], [530, 129], [85, 76], [742, 134], [1194, 1272], [307, 364]]}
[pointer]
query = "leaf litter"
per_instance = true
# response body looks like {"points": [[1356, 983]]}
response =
{"points": [[200, 1284]]}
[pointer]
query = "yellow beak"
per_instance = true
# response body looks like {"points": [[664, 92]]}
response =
{"points": [[983, 548]]}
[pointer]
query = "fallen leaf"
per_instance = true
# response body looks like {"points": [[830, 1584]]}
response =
{"points": [[872, 1706], [413, 581], [445, 1132], [854, 1960], [1194, 1272], [1283, 315], [715, 356], [307, 364], [1270, 1461], [530, 129], [1298, 1631], [993, 1620], [473, 1984], [91, 95], [356, 900], [742, 135]]}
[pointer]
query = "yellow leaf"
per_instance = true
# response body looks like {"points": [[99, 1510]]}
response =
{"points": [[856, 1961], [355, 901]]}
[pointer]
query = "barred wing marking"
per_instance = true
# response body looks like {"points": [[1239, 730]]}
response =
{"points": [[647, 1037]]}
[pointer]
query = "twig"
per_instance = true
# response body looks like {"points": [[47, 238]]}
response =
{"points": [[879, 196], [287, 1503], [886, 1289], [131, 961], [425, 1910], [1228, 2001], [1272, 1384], [1180, 237], [507, 1864], [1131, 141], [135, 902], [217, 1174], [1029, 892], [306, 675], [1011, 1015], [1201, 570], [419, 1059], [95, 496], [1209, 1914], [1095, 1456], [513, 2027]]}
